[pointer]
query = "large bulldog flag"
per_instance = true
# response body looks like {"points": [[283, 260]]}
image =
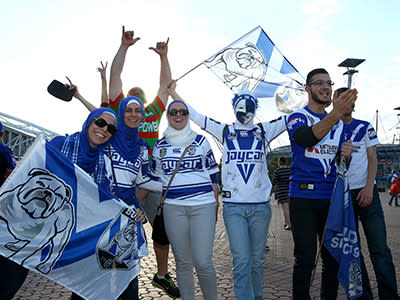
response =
{"points": [[254, 63], [56, 221], [341, 238]]}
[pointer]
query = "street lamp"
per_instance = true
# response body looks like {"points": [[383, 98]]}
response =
{"points": [[350, 64]]}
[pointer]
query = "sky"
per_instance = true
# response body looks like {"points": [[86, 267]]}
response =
{"points": [[44, 40]]}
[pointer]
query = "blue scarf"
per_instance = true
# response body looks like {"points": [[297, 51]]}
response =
{"points": [[77, 148], [126, 141]]}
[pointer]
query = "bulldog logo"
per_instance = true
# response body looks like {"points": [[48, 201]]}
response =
{"points": [[120, 250], [244, 65], [37, 214]]}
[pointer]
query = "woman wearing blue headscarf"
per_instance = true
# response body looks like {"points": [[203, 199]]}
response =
{"points": [[86, 148], [129, 156]]}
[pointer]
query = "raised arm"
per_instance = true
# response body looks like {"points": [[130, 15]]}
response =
{"points": [[118, 62], [165, 71], [103, 74], [78, 96]]}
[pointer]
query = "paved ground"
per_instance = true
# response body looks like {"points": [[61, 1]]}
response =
{"points": [[278, 267]]}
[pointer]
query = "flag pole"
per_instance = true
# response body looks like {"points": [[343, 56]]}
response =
{"points": [[318, 255], [190, 71]]}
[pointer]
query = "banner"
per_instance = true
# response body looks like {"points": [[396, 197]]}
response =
{"points": [[341, 238], [56, 221], [254, 63]]}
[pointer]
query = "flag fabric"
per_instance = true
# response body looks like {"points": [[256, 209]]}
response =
{"points": [[56, 221], [254, 63], [341, 238]]}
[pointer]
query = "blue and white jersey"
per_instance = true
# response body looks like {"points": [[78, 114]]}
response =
{"points": [[244, 168], [192, 183], [363, 136], [313, 170], [129, 174]]}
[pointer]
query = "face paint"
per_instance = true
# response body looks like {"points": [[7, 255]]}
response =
{"points": [[244, 111]]}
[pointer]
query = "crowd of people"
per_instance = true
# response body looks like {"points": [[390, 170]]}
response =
{"points": [[124, 134]]}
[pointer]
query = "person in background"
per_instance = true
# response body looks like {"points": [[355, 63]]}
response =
{"points": [[316, 137], [395, 190], [244, 173], [12, 275], [367, 205], [190, 204], [280, 182]]}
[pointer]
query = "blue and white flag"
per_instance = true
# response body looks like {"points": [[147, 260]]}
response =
{"points": [[56, 221], [254, 63], [341, 238]]}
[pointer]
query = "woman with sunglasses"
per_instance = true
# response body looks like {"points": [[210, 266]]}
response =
{"points": [[87, 147], [190, 204], [129, 157]]}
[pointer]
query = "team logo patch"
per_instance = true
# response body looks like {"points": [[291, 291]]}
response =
{"points": [[119, 250], [176, 150], [244, 133], [191, 151], [163, 152]]}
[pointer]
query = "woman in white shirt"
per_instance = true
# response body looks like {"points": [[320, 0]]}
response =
{"points": [[189, 207]]}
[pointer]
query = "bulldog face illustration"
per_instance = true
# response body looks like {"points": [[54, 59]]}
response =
{"points": [[37, 213], [245, 65], [42, 195]]}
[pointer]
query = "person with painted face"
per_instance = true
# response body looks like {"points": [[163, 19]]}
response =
{"points": [[190, 204], [316, 138], [246, 188]]}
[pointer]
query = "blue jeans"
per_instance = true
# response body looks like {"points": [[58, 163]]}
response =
{"points": [[247, 227], [373, 222]]}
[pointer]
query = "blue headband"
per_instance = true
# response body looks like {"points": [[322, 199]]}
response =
{"points": [[176, 101]]}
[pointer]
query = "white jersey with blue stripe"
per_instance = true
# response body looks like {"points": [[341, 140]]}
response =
{"points": [[363, 136], [313, 170], [244, 168], [192, 183]]}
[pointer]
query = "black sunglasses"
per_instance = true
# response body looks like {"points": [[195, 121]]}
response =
{"points": [[100, 122], [173, 112]]}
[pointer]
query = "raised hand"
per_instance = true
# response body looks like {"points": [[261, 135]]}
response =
{"points": [[128, 38], [161, 48], [102, 70]]}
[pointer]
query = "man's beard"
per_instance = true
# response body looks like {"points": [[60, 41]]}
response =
{"points": [[316, 99]]}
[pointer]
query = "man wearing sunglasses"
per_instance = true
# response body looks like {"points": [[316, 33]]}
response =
{"points": [[148, 131], [316, 138]]}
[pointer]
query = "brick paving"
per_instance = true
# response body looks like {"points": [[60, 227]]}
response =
{"points": [[278, 264]]}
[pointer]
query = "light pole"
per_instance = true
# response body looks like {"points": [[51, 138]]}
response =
{"points": [[350, 64]]}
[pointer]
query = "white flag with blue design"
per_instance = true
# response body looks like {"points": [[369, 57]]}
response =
{"points": [[341, 239], [56, 221], [254, 63]]}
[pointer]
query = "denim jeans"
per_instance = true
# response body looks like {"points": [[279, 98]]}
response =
{"points": [[373, 222], [308, 217], [247, 227]]}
